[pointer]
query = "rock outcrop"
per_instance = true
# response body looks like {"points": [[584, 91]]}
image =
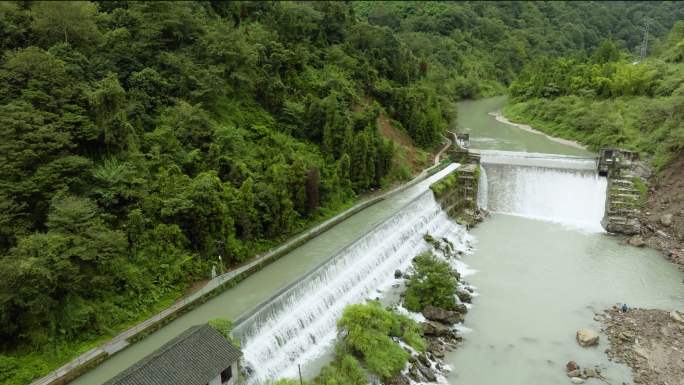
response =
{"points": [[438, 314], [434, 328], [464, 296]]}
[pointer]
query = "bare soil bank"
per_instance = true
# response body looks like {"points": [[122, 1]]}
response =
{"points": [[650, 342], [662, 214]]}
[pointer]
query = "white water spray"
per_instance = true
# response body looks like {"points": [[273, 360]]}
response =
{"points": [[575, 197], [482, 190], [300, 323]]}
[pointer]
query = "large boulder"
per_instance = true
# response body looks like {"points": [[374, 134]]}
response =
{"points": [[427, 373], [437, 351], [636, 241], [666, 220], [464, 296], [434, 328], [424, 360], [462, 308], [587, 337], [438, 314]]}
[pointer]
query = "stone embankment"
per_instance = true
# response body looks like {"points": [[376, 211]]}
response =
{"points": [[650, 342], [623, 198]]}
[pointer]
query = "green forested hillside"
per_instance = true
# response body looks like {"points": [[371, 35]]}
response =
{"points": [[609, 98], [135, 134]]}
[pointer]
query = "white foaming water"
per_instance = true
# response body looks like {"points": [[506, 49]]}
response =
{"points": [[299, 324], [482, 189], [571, 197]]}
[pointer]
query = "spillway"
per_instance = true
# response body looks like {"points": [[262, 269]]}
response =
{"points": [[563, 189], [299, 323]]}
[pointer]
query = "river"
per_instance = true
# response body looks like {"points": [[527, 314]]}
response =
{"points": [[539, 281], [541, 266]]}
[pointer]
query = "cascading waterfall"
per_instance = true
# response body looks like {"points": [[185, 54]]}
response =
{"points": [[571, 196], [482, 190], [297, 325]]}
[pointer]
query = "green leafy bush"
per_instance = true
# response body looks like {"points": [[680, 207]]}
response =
{"points": [[431, 284], [225, 326], [344, 370], [369, 328]]}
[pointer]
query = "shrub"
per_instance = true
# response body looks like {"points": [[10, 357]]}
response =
{"points": [[431, 284], [225, 326], [369, 328]]}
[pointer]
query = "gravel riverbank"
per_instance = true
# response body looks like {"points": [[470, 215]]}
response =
{"points": [[650, 342]]}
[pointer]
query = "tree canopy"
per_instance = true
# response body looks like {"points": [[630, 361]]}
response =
{"points": [[138, 136]]}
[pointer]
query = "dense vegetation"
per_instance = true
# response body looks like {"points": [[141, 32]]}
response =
{"points": [[134, 135], [608, 99], [430, 284]]}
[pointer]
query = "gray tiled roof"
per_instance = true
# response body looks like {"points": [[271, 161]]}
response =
{"points": [[195, 357]]}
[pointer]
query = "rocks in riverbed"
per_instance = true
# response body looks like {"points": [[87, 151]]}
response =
{"points": [[463, 309], [397, 273], [574, 373], [572, 365], [590, 372], [676, 317], [587, 337], [413, 372], [464, 296], [434, 328], [636, 241], [666, 220], [427, 373], [455, 274], [627, 337], [438, 314], [399, 379], [428, 238], [424, 360], [437, 351], [576, 380]]}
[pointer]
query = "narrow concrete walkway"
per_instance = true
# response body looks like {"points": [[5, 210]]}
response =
{"points": [[446, 147], [119, 341]]}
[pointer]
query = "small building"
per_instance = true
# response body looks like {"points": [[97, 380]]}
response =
{"points": [[613, 159], [198, 356]]}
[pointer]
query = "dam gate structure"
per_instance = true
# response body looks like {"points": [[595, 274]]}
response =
{"points": [[457, 192]]}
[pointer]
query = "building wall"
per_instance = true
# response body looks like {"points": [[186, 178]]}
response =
{"points": [[233, 379]]}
